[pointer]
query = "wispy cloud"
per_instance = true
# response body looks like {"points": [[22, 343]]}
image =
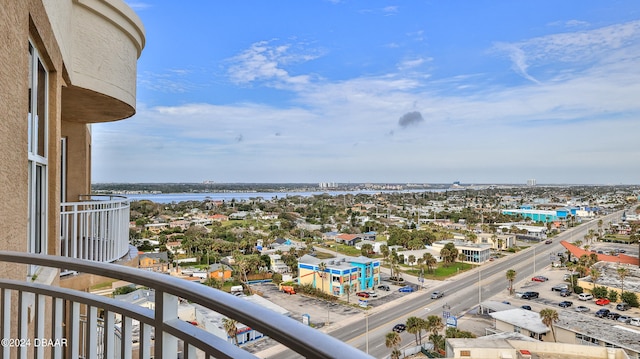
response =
{"points": [[136, 5], [265, 61], [573, 47]]}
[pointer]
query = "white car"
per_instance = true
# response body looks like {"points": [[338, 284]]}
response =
{"points": [[635, 321], [585, 296], [373, 294]]}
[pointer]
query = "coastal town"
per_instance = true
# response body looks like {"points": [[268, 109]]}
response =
{"points": [[355, 252]]}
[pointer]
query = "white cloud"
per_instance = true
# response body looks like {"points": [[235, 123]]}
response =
{"points": [[266, 62]]}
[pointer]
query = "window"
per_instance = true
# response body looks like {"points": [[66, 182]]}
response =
{"points": [[465, 353], [37, 154]]}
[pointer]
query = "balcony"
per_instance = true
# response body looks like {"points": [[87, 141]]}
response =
{"points": [[95, 229], [93, 326]]}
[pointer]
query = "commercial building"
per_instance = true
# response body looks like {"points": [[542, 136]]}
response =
{"points": [[333, 275], [474, 252]]}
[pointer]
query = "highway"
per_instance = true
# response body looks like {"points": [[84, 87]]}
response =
{"points": [[463, 293]]}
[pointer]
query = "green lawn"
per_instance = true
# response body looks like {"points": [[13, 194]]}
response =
{"points": [[442, 272]]}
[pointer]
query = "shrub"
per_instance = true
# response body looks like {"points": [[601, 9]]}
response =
{"points": [[600, 292], [630, 298], [613, 295], [578, 289]]}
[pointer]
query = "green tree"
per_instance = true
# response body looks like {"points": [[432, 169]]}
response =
{"points": [[322, 267], [623, 272], [366, 250], [231, 328], [276, 278], [630, 298], [549, 317], [414, 326], [511, 277], [392, 340]]}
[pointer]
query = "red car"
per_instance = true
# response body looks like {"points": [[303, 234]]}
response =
{"points": [[539, 278], [603, 301], [363, 294]]}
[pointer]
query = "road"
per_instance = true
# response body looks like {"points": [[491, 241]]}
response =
{"points": [[463, 293]]}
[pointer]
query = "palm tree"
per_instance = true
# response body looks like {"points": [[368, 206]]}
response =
{"points": [[595, 275], [231, 327], [462, 257], [348, 288], [511, 277], [434, 324], [430, 261], [549, 316], [622, 273], [392, 340], [396, 353], [438, 341], [414, 326], [322, 267]]}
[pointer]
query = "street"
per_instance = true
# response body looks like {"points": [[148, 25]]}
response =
{"points": [[463, 293]]}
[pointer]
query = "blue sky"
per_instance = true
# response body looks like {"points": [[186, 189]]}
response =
{"points": [[378, 91]]}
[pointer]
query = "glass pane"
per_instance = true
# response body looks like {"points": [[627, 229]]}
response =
{"points": [[42, 110]]}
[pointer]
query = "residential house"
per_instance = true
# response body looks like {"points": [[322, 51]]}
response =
{"points": [[220, 271], [348, 239], [278, 265], [157, 262]]}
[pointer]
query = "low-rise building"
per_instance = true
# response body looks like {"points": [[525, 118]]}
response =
{"points": [[360, 273]]}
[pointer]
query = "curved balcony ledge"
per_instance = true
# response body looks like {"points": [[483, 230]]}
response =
{"points": [[95, 229], [167, 329], [101, 41]]}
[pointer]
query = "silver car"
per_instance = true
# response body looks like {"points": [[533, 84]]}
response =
{"points": [[437, 294]]}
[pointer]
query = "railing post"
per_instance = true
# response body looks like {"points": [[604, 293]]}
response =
{"points": [[74, 332], [39, 330], [92, 332], [127, 329], [5, 331], [57, 330], [166, 345], [109, 335]]}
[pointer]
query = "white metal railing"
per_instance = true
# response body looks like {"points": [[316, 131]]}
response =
{"points": [[95, 229], [71, 318]]}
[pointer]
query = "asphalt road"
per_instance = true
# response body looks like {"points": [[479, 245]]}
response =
{"points": [[462, 293]]}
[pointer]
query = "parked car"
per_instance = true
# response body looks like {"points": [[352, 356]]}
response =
{"points": [[372, 294], [530, 295], [613, 316], [406, 289], [363, 294], [585, 296], [624, 319], [560, 287], [399, 328], [565, 304], [582, 309], [622, 306], [437, 294], [565, 293], [527, 307], [384, 287], [603, 301], [602, 313], [635, 321], [539, 278], [548, 241]]}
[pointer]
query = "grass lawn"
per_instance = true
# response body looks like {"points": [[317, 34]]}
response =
{"points": [[442, 272], [323, 255]]}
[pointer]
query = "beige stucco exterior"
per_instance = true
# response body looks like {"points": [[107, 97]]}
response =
{"points": [[90, 50]]}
